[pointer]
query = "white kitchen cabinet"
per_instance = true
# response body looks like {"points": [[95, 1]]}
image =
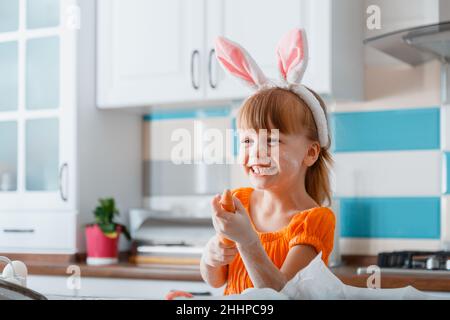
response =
{"points": [[57, 287], [36, 113], [37, 137], [58, 154], [149, 51], [334, 30], [129, 71]]}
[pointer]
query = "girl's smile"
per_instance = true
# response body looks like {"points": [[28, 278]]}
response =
{"points": [[261, 165], [272, 159], [263, 171]]}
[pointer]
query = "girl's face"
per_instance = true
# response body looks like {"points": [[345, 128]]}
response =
{"points": [[275, 160]]}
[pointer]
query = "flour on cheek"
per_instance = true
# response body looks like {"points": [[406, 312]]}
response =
{"points": [[289, 162]]}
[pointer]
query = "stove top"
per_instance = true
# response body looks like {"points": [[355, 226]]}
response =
{"points": [[417, 263], [421, 260]]}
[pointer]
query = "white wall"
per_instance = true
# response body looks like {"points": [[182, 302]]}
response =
{"points": [[109, 142]]}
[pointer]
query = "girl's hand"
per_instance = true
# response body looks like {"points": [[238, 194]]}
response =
{"points": [[217, 254], [234, 226]]}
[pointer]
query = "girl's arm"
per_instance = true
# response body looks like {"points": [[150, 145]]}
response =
{"points": [[260, 268], [262, 271], [214, 262], [214, 276]]}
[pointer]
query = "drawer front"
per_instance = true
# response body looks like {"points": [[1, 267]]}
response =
{"points": [[38, 232], [56, 287]]}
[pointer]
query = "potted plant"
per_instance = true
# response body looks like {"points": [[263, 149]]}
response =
{"points": [[102, 237]]}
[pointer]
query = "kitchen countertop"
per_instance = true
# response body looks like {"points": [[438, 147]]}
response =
{"points": [[346, 273], [425, 282], [124, 270]]}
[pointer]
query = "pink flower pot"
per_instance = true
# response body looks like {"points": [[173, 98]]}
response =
{"points": [[101, 250]]}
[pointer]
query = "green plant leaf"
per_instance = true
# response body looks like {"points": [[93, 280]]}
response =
{"points": [[104, 217], [105, 212]]}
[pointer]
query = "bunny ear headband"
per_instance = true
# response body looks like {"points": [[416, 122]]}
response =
{"points": [[292, 54]]}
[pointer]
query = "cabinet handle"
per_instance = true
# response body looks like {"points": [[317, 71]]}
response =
{"points": [[18, 230], [63, 168], [195, 53], [211, 54]]}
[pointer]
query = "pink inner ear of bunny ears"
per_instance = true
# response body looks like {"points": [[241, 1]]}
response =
{"points": [[236, 56], [292, 53], [238, 62]]}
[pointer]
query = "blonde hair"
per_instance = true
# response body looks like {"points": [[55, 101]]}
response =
{"points": [[282, 109]]}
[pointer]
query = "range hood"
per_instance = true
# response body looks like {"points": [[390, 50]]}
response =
{"points": [[419, 45], [416, 45]]}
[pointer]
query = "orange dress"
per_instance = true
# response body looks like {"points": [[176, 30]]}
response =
{"points": [[314, 227]]}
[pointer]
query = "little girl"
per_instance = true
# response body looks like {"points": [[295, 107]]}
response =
{"points": [[280, 224]]}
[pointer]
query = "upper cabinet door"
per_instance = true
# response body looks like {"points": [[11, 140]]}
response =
{"points": [[257, 25], [149, 52], [334, 30], [37, 106]]}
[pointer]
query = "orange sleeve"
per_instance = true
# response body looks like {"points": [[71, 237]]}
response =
{"points": [[314, 228]]}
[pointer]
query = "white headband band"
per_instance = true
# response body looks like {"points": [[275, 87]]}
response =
{"points": [[292, 54]]}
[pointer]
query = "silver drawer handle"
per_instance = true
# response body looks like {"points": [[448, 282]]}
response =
{"points": [[63, 194], [18, 230], [210, 62], [194, 83]]}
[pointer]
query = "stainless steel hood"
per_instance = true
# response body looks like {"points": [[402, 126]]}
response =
{"points": [[416, 45]]}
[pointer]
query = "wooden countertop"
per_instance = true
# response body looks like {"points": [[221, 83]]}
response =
{"points": [[56, 265], [346, 273], [122, 270]]}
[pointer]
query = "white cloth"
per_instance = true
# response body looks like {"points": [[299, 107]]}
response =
{"points": [[317, 282]]}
